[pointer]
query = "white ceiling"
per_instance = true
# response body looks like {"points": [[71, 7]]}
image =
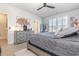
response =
{"points": [[44, 12]]}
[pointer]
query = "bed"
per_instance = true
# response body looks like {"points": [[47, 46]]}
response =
{"points": [[46, 44]]}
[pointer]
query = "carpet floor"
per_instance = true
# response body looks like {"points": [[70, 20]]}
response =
{"points": [[21, 50]]}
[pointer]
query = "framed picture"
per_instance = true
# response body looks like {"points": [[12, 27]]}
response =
{"points": [[20, 22]]}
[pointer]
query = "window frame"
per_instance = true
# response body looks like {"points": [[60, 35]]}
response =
{"points": [[62, 24]]}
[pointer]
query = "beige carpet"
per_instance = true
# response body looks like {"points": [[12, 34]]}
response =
{"points": [[21, 50], [24, 52]]}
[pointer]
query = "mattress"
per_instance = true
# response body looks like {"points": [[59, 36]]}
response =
{"points": [[64, 47]]}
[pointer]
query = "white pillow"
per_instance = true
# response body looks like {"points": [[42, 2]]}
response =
{"points": [[58, 30], [67, 32]]}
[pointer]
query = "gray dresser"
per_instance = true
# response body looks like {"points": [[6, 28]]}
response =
{"points": [[21, 36]]}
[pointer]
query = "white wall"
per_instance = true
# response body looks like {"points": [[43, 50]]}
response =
{"points": [[14, 12]]}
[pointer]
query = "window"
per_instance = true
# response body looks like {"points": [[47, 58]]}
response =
{"points": [[59, 22], [54, 24], [50, 25], [65, 21]]}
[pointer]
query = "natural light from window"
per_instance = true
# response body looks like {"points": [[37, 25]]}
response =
{"points": [[58, 22]]}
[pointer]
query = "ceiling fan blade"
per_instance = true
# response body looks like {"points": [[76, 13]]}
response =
{"points": [[50, 6], [40, 8]]}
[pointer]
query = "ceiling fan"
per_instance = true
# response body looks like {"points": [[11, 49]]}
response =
{"points": [[45, 5]]}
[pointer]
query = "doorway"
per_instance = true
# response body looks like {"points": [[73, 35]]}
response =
{"points": [[3, 29], [35, 26]]}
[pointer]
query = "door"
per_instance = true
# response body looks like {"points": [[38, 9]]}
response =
{"points": [[35, 25], [3, 26]]}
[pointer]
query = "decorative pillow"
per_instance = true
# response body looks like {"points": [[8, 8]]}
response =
{"points": [[58, 30], [67, 32]]}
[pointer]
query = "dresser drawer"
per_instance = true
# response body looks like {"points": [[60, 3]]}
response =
{"points": [[21, 36], [20, 33]]}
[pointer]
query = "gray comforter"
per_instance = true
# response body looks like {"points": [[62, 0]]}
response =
{"points": [[64, 47]]}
